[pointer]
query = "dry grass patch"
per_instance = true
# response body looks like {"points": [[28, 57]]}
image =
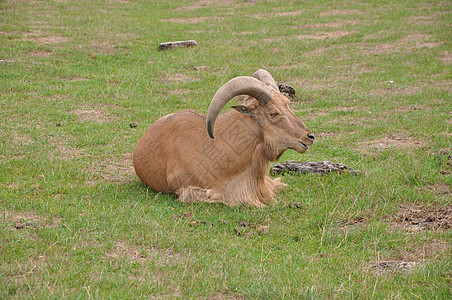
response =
{"points": [[178, 77], [411, 256], [277, 14], [203, 3], [20, 220], [21, 138], [92, 114], [447, 57], [329, 25], [224, 296], [405, 109], [134, 253], [408, 43], [65, 151], [393, 141], [392, 90], [40, 54], [421, 19], [43, 38], [341, 12], [103, 47], [325, 35], [119, 171], [193, 20], [178, 92]]}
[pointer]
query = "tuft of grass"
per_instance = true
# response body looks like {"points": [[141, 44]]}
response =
{"points": [[373, 82]]}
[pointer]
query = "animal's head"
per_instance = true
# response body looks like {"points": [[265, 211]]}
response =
{"points": [[269, 108]]}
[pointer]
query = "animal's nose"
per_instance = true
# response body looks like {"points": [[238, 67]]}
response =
{"points": [[311, 137]]}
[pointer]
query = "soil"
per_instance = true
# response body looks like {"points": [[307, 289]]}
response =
{"points": [[325, 35], [392, 141], [416, 217], [22, 220], [340, 12]]}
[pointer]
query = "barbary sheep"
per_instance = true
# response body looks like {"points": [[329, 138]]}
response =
{"points": [[178, 155]]}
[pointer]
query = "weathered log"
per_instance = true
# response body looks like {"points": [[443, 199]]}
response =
{"points": [[177, 44], [320, 167], [287, 90]]}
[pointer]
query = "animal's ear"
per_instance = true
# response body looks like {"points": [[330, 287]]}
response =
{"points": [[245, 109]]}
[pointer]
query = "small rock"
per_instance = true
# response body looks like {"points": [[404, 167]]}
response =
{"points": [[58, 125], [176, 217], [290, 205], [298, 205], [237, 232], [223, 221], [133, 125], [188, 215]]}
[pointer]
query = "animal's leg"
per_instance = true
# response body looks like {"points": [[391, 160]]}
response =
{"points": [[192, 194], [274, 184]]}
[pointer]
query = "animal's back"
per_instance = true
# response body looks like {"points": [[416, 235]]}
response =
{"points": [[164, 139]]}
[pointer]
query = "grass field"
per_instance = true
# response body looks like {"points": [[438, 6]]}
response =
{"points": [[373, 82]]}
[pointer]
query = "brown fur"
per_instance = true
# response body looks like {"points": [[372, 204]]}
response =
{"points": [[176, 155]]}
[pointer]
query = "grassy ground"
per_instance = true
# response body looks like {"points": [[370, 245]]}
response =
{"points": [[373, 80]]}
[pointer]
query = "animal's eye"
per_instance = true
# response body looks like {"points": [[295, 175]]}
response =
{"points": [[274, 114]]}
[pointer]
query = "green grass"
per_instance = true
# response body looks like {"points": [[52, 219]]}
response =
{"points": [[77, 223]]}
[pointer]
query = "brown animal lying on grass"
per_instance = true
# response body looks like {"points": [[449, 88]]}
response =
{"points": [[178, 155]]}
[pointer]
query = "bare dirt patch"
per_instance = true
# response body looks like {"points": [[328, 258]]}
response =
{"points": [[421, 19], [193, 20], [43, 38], [439, 189], [41, 54], [325, 35], [64, 150], [134, 253], [341, 12], [203, 3], [277, 14], [417, 217], [115, 171], [384, 267], [405, 109], [224, 296], [92, 114], [447, 58], [178, 92], [393, 141], [411, 256], [178, 77], [21, 138], [124, 249], [21, 220], [408, 43], [102, 47], [330, 25]]}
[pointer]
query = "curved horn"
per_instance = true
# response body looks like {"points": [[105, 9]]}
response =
{"points": [[265, 77], [242, 85]]}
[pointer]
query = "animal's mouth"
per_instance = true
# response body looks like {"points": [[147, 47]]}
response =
{"points": [[303, 145]]}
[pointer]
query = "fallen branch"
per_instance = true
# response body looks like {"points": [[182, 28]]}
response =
{"points": [[321, 167], [178, 44]]}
